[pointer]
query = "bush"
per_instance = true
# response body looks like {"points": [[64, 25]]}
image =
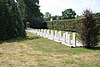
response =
{"points": [[88, 30]]}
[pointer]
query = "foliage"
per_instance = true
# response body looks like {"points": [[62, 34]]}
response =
{"points": [[97, 15], [56, 17], [32, 13], [21, 9], [47, 16], [11, 25], [88, 30], [68, 14], [64, 25]]}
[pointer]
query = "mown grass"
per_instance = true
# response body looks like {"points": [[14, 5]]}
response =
{"points": [[35, 51]]}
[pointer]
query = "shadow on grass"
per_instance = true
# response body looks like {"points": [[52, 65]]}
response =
{"points": [[94, 48], [20, 39]]}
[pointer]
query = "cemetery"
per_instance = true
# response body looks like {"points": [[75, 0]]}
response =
{"points": [[49, 33], [58, 36]]}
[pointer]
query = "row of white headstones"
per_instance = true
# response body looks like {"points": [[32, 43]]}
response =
{"points": [[57, 36]]}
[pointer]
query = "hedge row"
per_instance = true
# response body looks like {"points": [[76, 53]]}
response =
{"points": [[64, 25]]}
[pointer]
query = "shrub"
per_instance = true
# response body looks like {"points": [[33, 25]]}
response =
{"points": [[88, 30]]}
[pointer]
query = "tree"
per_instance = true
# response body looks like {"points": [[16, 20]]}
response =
{"points": [[68, 14], [32, 13], [47, 16], [88, 30], [21, 9], [56, 17], [97, 15], [11, 25]]}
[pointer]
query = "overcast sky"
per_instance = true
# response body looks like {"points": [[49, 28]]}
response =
{"points": [[55, 7]]}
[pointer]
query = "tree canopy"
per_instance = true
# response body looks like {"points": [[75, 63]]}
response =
{"points": [[47, 16], [97, 15], [68, 14], [13, 17], [32, 13], [11, 25]]}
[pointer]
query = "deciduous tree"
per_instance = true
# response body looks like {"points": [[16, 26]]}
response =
{"points": [[68, 14]]}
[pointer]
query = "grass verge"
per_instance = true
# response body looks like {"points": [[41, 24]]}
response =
{"points": [[35, 51]]}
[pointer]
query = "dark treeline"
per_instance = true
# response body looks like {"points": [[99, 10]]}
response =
{"points": [[30, 12], [11, 25], [15, 14]]}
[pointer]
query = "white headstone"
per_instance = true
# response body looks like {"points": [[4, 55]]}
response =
{"points": [[52, 35], [59, 36], [47, 34], [66, 37], [69, 40], [55, 36], [56, 33], [74, 39], [41, 32], [44, 31], [38, 32]]}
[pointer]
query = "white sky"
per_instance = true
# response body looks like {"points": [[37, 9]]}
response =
{"points": [[55, 7]]}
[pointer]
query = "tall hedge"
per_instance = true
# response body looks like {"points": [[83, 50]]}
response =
{"points": [[64, 25]]}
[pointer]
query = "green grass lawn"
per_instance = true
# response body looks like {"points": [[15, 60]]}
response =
{"points": [[35, 51]]}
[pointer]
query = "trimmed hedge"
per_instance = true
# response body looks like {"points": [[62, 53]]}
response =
{"points": [[66, 25], [63, 25]]}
